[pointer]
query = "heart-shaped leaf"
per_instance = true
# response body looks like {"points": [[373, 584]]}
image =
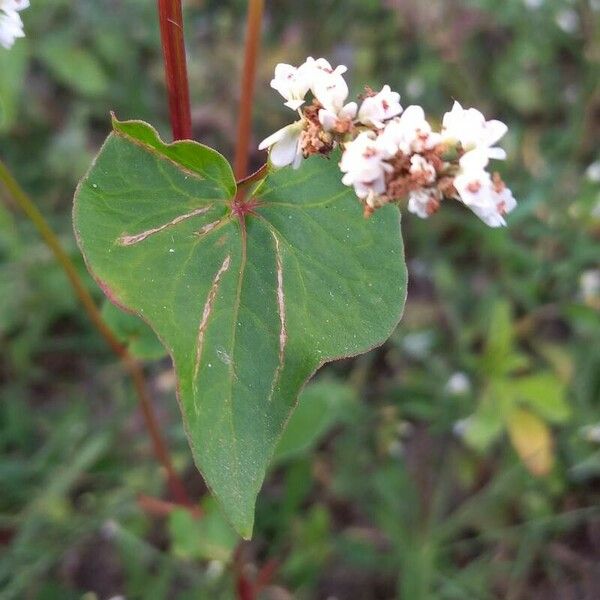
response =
{"points": [[248, 301]]}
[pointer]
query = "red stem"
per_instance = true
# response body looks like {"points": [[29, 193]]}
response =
{"points": [[255, 11], [171, 35]]}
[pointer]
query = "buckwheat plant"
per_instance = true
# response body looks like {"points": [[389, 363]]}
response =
{"points": [[252, 285], [390, 155], [253, 282]]}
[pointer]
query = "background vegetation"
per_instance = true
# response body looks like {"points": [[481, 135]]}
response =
{"points": [[460, 460]]}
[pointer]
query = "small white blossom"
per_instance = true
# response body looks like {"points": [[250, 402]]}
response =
{"points": [[320, 66], [589, 285], [593, 172], [11, 25], [284, 145], [415, 87], [375, 110], [462, 427], [330, 119], [330, 88], [567, 20], [408, 133], [590, 433], [469, 127], [479, 192], [364, 166], [418, 344], [215, 569], [423, 202], [292, 83], [458, 384], [533, 4], [420, 166]]}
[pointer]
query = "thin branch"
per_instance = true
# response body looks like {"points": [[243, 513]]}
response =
{"points": [[171, 36], [133, 367], [255, 12]]}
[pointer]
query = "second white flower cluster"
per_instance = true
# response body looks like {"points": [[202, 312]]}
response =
{"points": [[391, 154]]}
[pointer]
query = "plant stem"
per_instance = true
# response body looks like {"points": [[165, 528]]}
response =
{"points": [[256, 176], [171, 35], [133, 367], [253, 27]]}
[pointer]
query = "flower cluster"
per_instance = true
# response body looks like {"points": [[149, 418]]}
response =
{"points": [[391, 154], [11, 25]]}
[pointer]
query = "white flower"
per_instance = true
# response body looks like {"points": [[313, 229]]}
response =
{"points": [[11, 25], [292, 83], [489, 201], [330, 88], [589, 285], [567, 20], [469, 127], [462, 427], [591, 433], [13, 5], [285, 145], [379, 108], [408, 133], [364, 166], [458, 384], [423, 202], [326, 83], [320, 66], [421, 166], [593, 172], [533, 4], [329, 119]]}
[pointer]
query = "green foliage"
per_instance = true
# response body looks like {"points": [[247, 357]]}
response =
{"points": [[248, 308], [73, 66], [321, 405], [208, 537], [390, 498], [511, 399]]}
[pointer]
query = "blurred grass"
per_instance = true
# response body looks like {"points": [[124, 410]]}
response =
{"points": [[393, 497]]}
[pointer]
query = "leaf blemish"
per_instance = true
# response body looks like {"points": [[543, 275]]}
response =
{"points": [[130, 240], [207, 228], [281, 313], [206, 312]]}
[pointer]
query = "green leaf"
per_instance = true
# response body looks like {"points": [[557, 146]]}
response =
{"points": [[249, 307], [545, 394], [74, 67], [485, 426], [208, 537], [320, 406], [140, 340], [497, 360]]}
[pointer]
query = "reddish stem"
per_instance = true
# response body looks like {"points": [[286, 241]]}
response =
{"points": [[163, 508], [171, 35], [255, 12]]}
